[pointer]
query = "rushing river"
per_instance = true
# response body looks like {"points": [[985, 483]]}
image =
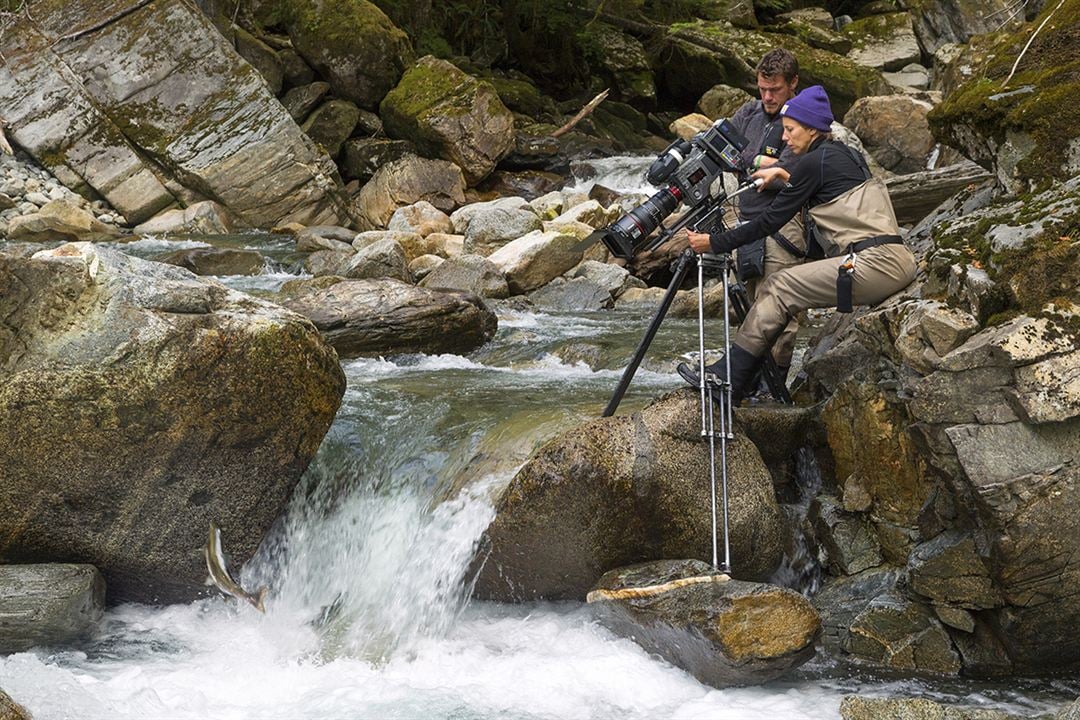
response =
{"points": [[368, 615]]}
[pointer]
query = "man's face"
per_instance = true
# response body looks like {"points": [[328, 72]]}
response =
{"points": [[775, 91]]}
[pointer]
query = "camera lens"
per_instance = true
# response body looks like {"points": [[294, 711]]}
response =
{"points": [[624, 237]]}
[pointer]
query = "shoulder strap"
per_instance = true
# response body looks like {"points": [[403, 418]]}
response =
{"points": [[857, 157]]}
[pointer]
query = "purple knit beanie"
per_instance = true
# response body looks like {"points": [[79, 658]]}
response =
{"points": [[811, 108]]}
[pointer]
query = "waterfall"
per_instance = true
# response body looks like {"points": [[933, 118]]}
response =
{"points": [[800, 569]]}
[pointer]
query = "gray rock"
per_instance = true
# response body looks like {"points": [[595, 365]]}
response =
{"points": [[385, 316], [1072, 712], [261, 56], [331, 124], [362, 64], [413, 245], [577, 295], [948, 569], [856, 707], [133, 117], [325, 237], [295, 72], [300, 101], [203, 218], [177, 432], [621, 490], [997, 453], [610, 277], [364, 156], [894, 130], [897, 633], [978, 395], [216, 261], [1021, 341], [489, 225], [939, 22], [59, 220], [886, 42], [847, 538], [841, 599], [536, 259], [1048, 391], [48, 605], [329, 262], [451, 115], [956, 617], [383, 258], [408, 180], [420, 267], [472, 273], [421, 218], [723, 632], [721, 101]]}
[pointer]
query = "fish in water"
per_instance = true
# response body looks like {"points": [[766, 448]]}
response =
{"points": [[219, 572]]}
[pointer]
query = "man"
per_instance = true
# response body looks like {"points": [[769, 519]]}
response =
{"points": [[759, 122]]}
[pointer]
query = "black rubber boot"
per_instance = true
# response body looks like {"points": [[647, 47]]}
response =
{"points": [[743, 369]]}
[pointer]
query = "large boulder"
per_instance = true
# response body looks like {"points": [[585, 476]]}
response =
{"points": [[893, 129], [885, 42], [939, 22], [623, 490], [125, 113], [59, 220], [385, 316], [48, 605], [536, 259], [408, 180], [382, 258], [623, 64], [134, 405], [723, 632], [450, 115], [350, 43], [472, 273], [488, 226], [1021, 131]]}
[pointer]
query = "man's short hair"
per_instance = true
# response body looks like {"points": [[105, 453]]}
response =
{"points": [[779, 61]]}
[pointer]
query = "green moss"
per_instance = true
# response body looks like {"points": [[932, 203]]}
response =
{"points": [[876, 27], [1039, 100]]}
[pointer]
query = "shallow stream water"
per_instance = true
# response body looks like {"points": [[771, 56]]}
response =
{"points": [[368, 614]]}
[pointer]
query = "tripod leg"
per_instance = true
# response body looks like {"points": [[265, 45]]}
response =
{"points": [[681, 269]]}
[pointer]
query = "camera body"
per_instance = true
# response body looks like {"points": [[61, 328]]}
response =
{"points": [[689, 167]]}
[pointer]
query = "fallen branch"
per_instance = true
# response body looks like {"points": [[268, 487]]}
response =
{"points": [[581, 114], [1030, 39]]}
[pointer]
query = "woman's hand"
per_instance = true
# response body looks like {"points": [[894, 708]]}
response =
{"points": [[699, 242], [775, 177]]}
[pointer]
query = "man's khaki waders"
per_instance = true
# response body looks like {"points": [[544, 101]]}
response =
{"points": [[859, 216]]}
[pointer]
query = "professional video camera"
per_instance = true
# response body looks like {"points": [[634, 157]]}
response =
{"points": [[689, 167]]}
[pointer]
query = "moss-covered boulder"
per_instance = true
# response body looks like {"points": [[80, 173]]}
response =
{"points": [[886, 42], [331, 124], [621, 61], [1024, 131], [939, 22], [135, 402], [623, 490], [692, 57], [450, 115], [351, 43]]}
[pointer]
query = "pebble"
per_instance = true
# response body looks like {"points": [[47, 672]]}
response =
{"points": [[30, 187]]}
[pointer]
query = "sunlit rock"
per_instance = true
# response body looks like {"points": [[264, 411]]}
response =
{"points": [[139, 403], [723, 632]]}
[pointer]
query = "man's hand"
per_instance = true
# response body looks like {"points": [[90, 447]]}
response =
{"points": [[774, 177], [699, 242]]}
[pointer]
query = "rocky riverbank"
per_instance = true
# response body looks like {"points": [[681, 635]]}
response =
{"points": [[420, 185]]}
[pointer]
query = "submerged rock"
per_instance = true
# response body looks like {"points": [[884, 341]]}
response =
{"points": [[139, 403], [385, 316], [48, 605], [216, 261], [623, 490], [723, 632]]}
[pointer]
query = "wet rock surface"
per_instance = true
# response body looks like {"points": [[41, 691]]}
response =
{"points": [[48, 605], [723, 632]]}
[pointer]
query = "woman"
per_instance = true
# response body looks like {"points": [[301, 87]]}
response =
{"points": [[850, 226]]}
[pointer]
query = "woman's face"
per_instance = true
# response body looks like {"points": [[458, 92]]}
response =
{"points": [[797, 136]]}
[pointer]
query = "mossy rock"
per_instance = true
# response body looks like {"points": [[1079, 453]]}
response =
{"points": [[523, 97], [351, 43], [695, 56], [621, 61], [883, 41], [1025, 131], [450, 115]]}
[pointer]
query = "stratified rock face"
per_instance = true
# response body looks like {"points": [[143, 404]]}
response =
{"points": [[886, 41], [139, 403], [48, 604], [380, 317], [623, 490], [155, 106], [1023, 131], [450, 115], [724, 632], [938, 22], [351, 43]]}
